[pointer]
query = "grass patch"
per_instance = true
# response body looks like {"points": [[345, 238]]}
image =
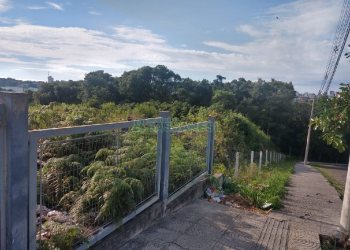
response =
{"points": [[339, 186], [268, 186]]}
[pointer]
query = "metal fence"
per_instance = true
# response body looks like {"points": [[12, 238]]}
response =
{"points": [[79, 184], [91, 176], [82, 183], [257, 159], [188, 154]]}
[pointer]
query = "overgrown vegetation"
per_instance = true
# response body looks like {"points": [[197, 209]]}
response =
{"points": [[268, 186], [268, 103], [101, 182], [93, 180]]}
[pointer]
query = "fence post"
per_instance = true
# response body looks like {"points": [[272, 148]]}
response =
{"points": [[251, 157], [267, 155], [164, 157], [210, 144], [2, 176], [237, 164], [260, 160], [15, 165]]}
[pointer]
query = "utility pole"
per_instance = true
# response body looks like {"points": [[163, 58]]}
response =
{"points": [[309, 133]]}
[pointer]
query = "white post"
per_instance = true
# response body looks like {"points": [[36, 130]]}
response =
{"points": [[236, 164], [260, 160], [345, 211], [266, 156], [251, 157]]}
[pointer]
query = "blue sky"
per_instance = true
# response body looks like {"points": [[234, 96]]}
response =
{"points": [[285, 40]]}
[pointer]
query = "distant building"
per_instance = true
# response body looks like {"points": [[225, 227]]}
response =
{"points": [[50, 79], [312, 95], [305, 97]]}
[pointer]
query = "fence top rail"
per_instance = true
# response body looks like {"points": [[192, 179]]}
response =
{"points": [[52, 132], [190, 126]]}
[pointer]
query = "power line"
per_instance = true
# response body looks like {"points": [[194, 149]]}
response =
{"points": [[339, 41], [340, 38]]}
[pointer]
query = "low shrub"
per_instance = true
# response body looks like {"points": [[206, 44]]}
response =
{"points": [[268, 186]]}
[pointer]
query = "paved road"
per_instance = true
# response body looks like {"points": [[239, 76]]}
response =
{"points": [[312, 206]]}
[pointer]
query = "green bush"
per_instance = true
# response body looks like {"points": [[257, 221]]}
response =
{"points": [[103, 153], [62, 236], [268, 186]]}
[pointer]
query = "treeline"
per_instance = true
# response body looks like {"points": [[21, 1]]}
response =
{"points": [[10, 82], [269, 104]]}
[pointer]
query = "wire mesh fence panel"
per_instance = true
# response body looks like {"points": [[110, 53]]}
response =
{"points": [[87, 181], [188, 154]]}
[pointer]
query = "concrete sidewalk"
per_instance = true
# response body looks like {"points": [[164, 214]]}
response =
{"points": [[203, 225], [311, 207]]}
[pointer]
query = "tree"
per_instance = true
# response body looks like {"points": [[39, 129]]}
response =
{"points": [[163, 83], [333, 122], [100, 87], [135, 85]]}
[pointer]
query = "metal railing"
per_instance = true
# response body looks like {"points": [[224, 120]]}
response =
{"points": [[91, 176], [94, 178], [188, 154], [78, 184]]}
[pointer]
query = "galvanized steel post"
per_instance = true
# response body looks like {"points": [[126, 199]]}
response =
{"points": [[2, 176], [210, 144], [15, 165], [251, 157], [164, 156]]}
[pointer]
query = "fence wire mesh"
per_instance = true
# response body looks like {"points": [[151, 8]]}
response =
{"points": [[87, 181], [188, 154]]}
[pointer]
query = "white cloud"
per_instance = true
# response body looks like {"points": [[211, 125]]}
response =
{"points": [[10, 21], [55, 6], [36, 7], [228, 47], [293, 47], [250, 30], [94, 13], [4, 5], [137, 35]]}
